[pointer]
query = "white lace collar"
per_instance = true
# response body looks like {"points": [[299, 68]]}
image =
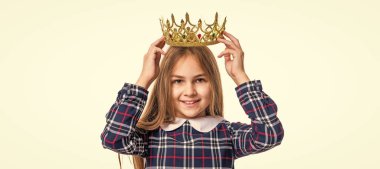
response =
{"points": [[201, 124]]}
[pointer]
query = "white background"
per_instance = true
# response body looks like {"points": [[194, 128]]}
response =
{"points": [[63, 62]]}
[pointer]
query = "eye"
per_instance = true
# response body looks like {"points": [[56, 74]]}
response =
{"points": [[177, 81], [200, 80]]}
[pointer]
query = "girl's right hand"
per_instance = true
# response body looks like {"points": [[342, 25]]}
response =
{"points": [[151, 67]]}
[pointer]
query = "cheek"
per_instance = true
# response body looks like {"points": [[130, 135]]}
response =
{"points": [[175, 92], [205, 92]]}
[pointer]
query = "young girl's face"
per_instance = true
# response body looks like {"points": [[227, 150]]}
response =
{"points": [[191, 92]]}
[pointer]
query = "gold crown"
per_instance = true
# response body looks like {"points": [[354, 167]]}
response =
{"points": [[188, 34]]}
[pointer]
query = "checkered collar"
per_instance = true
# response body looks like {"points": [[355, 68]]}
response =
{"points": [[201, 124]]}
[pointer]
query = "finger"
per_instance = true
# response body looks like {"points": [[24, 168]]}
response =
{"points": [[154, 52], [157, 60], [223, 53], [155, 43], [159, 50], [161, 44], [227, 52], [228, 57], [233, 39], [227, 43]]}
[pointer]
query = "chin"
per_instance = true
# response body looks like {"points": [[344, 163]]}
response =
{"points": [[190, 115]]}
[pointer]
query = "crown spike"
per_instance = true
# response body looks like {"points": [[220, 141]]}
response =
{"points": [[224, 22], [187, 16], [188, 19], [173, 21], [216, 18]]}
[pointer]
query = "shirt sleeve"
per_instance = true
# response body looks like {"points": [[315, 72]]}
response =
{"points": [[120, 133], [265, 130]]}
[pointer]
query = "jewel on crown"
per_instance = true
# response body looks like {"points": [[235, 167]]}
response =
{"points": [[188, 34]]}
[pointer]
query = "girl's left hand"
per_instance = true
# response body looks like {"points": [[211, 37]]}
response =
{"points": [[235, 63]]}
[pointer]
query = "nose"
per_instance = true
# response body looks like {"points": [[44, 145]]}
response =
{"points": [[190, 90]]}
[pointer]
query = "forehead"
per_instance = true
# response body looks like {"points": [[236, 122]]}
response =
{"points": [[188, 65]]}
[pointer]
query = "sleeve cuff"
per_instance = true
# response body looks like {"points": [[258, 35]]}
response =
{"points": [[254, 85], [133, 90]]}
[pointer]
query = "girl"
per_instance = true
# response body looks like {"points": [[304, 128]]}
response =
{"points": [[183, 125]]}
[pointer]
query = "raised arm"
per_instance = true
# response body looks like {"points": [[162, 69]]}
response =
{"points": [[265, 130], [120, 134]]}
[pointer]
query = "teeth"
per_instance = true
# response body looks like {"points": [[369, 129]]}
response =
{"points": [[190, 102]]}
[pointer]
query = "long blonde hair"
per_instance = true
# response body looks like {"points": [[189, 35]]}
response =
{"points": [[159, 108]]}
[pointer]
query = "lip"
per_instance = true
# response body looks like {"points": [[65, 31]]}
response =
{"points": [[190, 103]]}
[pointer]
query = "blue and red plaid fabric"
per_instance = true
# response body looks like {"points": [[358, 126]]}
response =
{"points": [[186, 147]]}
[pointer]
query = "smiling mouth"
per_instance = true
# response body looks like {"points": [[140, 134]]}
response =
{"points": [[190, 102]]}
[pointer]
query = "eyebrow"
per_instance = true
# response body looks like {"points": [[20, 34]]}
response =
{"points": [[179, 76]]}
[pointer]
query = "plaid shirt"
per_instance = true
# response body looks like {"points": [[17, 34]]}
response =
{"points": [[185, 146]]}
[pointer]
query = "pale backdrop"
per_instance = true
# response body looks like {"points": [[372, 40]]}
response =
{"points": [[63, 62]]}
